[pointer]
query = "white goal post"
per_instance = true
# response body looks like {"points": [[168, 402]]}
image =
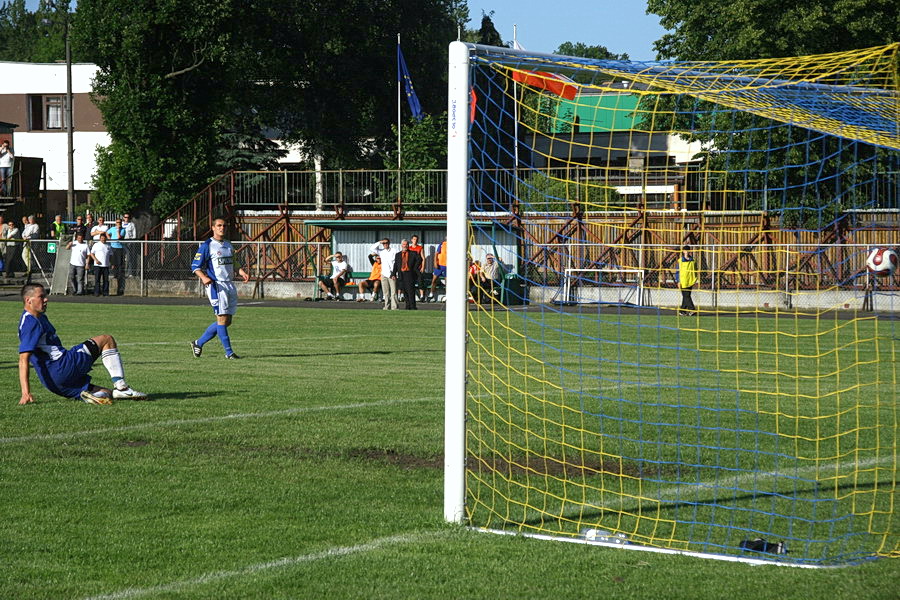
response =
{"points": [[603, 286]]}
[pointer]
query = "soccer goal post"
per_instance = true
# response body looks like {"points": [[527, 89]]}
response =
{"points": [[603, 286], [759, 426]]}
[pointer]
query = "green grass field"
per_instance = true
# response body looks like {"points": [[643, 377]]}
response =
{"points": [[311, 469], [694, 434]]}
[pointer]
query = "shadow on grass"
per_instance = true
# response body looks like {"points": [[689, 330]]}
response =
{"points": [[330, 353]]}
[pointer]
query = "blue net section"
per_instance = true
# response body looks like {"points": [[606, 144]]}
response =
{"points": [[736, 398]]}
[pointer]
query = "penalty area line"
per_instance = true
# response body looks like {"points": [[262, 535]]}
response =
{"points": [[281, 563], [200, 420]]}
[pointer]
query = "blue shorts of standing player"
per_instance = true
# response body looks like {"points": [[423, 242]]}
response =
{"points": [[214, 266]]}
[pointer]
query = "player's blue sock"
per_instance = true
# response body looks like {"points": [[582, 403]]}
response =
{"points": [[209, 334], [223, 337]]}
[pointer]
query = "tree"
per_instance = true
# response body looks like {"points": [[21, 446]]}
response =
{"points": [[177, 75], [488, 34], [424, 146], [706, 30], [37, 36], [585, 51], [750, 29]]}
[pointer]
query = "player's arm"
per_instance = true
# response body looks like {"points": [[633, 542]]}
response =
{"points": [[204, 278], [198, 266], [24, 372], [244, 274]]}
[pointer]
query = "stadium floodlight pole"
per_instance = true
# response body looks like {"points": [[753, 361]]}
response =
{"points": [[457, 306]]}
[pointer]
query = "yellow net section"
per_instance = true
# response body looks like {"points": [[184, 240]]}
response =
{"points": [[622, 390]]}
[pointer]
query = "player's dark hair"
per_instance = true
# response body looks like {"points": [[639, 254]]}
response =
{"points": [[28, 290]]}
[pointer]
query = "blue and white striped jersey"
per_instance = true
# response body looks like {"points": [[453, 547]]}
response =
{"points": [[216, 259]]}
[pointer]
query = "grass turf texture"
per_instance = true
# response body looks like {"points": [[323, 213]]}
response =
{"points": [[310, 469], [694, 434]]}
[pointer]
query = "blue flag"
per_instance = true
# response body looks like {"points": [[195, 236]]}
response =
{"points": [[403, 76]]}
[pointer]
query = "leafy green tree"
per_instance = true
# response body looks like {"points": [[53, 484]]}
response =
{"points": [[37, 36], [177, 76], [488, 34], [585, 51], [751, 29], [702, 30], [424, 145]]}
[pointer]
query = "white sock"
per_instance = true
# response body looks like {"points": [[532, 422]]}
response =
{"points": [[113, 363]]}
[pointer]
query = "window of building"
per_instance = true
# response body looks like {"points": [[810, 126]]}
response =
{"points": [[47, 112]]}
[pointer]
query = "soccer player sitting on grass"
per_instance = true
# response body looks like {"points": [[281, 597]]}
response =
{"points": [[65, 372]]}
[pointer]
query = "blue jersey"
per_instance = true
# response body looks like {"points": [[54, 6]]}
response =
{"points": [[216, 259], [62, 371]]}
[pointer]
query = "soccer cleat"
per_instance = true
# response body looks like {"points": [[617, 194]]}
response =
{"points": [[130, 394], [196, 349], [233, 356], [100, 397]]}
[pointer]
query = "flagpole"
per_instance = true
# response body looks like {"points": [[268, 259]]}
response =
{"points": [[399, 147], [516, 121]]}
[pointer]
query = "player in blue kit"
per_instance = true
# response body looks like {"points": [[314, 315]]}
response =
{"points": [[65, 372], [214, 265]]}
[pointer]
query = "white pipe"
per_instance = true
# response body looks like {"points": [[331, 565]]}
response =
{"points": [[457, 306]]}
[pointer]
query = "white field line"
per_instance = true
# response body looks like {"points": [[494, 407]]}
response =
{"points": [[281, 563], [199, 420]]}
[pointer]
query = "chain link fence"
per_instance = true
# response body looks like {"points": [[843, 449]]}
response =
{"points": [[758, 276]]}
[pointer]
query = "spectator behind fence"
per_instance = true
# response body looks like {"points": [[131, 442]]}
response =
{"points": [[340, 276], [117, 255], [30, 231], [6, 167], [440, 269], [100, 254], [2, 244], [12, 248], [131, 250], [415, 246], [388, 283], [490, 278], [407, 266], [77, 263], [89, 225], [58, 229], [474, 280], [374, 280], [100, 227], [79, 228]]}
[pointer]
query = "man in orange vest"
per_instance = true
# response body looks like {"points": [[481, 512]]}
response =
{"points": [[440, 269]]}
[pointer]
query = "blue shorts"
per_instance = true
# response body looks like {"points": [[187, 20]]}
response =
{"points": [[440, 271], [68, 376]]}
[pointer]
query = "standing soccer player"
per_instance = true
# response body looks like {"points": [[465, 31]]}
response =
{"points": [[214, 265], [65, 372]]}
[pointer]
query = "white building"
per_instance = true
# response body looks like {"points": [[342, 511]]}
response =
{"points": [[33, 96]]}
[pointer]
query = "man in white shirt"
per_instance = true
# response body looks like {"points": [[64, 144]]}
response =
{"points": [[30, 230], [131, 250], [100, 254], [340, 276], [12, 233], [99, 228], [77, 263], [6, 167], [388, 284]]}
